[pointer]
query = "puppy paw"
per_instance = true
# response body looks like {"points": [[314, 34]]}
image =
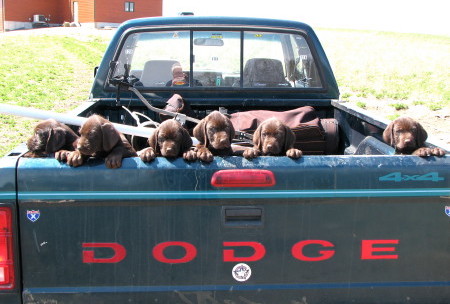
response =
{"points": [[147, 154], [74, 158], [190, 156], [251, 153], [113, 161], [204, 155], [61, 155], [294, 153], [438, 152], [422, 152]]}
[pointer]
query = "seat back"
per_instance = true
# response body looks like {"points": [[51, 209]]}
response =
{"points": [[264, 72], [157, 73]]}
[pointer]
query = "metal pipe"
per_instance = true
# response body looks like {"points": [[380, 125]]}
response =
{"points": [[69, 119]]}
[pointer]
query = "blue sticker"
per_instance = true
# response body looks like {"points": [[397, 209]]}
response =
{"points": [[447, 210], [33, 215]]}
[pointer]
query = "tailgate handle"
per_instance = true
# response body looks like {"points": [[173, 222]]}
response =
{"points": [[243, 216]]}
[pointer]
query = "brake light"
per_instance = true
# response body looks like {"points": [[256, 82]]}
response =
{"points": [[243, 178], [6, 250]]}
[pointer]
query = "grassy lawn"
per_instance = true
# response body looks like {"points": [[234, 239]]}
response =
{"points": [[397, 71], [400, 70], [45, 72]]}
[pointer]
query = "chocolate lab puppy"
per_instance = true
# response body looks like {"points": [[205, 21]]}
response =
{"points": [[215, 133], [169, 140], [50, 136], [408, 136], [99, 138], [272, 137]]}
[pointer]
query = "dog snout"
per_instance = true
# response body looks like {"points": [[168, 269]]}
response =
{"points": [[221, 141]]}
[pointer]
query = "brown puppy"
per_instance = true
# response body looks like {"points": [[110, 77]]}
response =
{"points": [[272, 137], [99, 138], [51, 136], [215, 133], [408, 136], [170, 140]]}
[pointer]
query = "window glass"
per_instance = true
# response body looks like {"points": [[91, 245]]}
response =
{"points": [[264, 60], [156, 58], [267, 59], [129, 6], [303, 72], [217, 58]]}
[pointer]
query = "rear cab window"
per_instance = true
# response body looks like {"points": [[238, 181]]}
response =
{"points": [[217, 58]]}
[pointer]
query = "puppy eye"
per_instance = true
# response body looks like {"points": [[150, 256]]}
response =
{"points": [[161, 138]]}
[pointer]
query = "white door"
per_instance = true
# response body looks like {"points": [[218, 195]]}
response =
{"points": [[75, 11]]}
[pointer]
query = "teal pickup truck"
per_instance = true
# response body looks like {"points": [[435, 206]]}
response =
{"points": [[348, 222]]}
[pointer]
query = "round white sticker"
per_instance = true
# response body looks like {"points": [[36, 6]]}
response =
{"points": [[241, 272]]}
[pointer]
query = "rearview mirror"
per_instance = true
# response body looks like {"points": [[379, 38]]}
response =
{"points": [[208, 42]]}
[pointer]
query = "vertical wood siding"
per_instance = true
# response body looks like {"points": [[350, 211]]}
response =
{"points": [[23, 10], [2, 29], [114, 10], [85, 10]]}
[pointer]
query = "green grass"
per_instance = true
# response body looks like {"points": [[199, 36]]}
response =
{"points": [[45, 72], [361, 104], [399, 106], [389, 66]]}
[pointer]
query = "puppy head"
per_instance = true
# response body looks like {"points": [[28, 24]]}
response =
{"points": [[49, 136], [97, 135], [405, 134], [215, 131], [170, 139], [273, 137]]}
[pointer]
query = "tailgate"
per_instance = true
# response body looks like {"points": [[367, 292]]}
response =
{"points": [[333, 229]]}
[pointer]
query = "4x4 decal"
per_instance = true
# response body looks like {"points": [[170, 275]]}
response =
{"points": [[399, 177]]}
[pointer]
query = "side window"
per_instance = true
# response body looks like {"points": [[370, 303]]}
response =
{"points": [[216, 58], [303, 72]]}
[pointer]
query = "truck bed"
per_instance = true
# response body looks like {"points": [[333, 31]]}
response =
{"points": [[332, 229]]}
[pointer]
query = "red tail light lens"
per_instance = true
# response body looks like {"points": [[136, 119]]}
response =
{"points": [[243, 178], [6, 250]]}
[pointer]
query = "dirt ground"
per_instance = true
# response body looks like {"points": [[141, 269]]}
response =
{"points": [[436, 123]]}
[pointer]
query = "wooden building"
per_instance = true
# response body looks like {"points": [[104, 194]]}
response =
{"points": [[18, 14]]}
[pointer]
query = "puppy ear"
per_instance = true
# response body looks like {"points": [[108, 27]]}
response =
{"points": [[110, 136], [56, 139], [421, 135], [232, 130], [186, 140], [388, 135], [200, 132], [257, 137], [153, 141], [289, 138]]}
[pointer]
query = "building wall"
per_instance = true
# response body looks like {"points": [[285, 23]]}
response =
{"points": [[85, 10], [23, 11], [17, 13], [2, 29], [113, 11]]}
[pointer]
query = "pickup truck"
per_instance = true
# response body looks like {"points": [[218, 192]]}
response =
{"points": [[354, 224]]}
